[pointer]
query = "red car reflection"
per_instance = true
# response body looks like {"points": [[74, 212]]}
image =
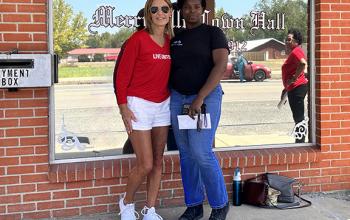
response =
{"points": [[258, 72]]}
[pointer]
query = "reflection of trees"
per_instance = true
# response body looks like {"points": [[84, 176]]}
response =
{"points": [[295, 16], [69, 29], [295, 12], [108, 40]]}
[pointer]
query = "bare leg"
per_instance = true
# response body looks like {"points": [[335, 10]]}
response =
{"points": [[159, 138], [142, 144]]}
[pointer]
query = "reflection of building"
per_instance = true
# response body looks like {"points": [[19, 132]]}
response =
{"points": [[105, 54], [265, 49]]}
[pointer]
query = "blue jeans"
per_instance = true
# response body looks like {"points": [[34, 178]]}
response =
{"points": [[200, 169]]}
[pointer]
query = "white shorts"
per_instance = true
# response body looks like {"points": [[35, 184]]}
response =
{"points": [[149, 114]]}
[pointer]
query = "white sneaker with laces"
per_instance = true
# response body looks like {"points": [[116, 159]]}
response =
{"points": [[127, 212], [150, 214]]}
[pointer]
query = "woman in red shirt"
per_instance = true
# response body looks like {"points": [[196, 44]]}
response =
{"points": [[293, 77], [143, 99]]}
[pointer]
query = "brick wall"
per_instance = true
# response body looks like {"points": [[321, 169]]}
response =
{"points": [[31, 188]]}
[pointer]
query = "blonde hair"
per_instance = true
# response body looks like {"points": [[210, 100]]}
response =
{"points": [[148, 18]]}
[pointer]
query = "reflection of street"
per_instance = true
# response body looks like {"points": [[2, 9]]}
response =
{"points": [[249, 110]]}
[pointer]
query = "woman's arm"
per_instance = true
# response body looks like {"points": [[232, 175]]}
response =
{"points": [[220, 64]]}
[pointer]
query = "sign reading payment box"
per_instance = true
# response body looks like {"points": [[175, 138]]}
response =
{"points": [[25, 70]]}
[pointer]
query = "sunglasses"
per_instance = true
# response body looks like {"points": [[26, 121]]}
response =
{"points": [[165, 9]]}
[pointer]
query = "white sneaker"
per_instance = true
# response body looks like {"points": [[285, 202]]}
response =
{"points": [[150, 214], [127, 212]]}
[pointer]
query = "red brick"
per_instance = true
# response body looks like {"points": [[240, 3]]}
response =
{"points": [[33, 46], [20, 170], [320, 180], [33, 103], [7, 180], [94, 191], [9, 142], [343, 178], [32, 8], [65, 212], [10, 199], [171, 184], [39, 18], [34, 122], [18, 37], [276, 167], [330, 155], [7, 46], [8, 123], [106, 182], [7, 27], [50, 205], [41, 112], [4, 104], [19, 151], [21, 207], [7, 8], [340, 132], [41, 150], [18, 113], [6, 161], [19, 132], [14, 189], [22, 93], [310, 173], [340, 7], [41, 93], [34, 159], [42, 168], [34, 141], [80, 202], [16, 1], [50, 186], [36, 197], [340, 163], [11, 217], [35, 178], [37, 215], [93, 210], [330, 171], [330, 15], [66, 194]]}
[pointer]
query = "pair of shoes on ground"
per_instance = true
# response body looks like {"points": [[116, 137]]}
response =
{"points": [[127, 212], [196, 213]]}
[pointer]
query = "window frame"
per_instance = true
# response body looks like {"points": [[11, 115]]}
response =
{"points": [[311, 102]]}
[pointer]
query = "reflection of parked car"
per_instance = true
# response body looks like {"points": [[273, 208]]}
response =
{"points": [[258, 72], [111, 57]]}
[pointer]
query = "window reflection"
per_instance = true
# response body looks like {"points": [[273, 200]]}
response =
{"points": [[87, 121]]}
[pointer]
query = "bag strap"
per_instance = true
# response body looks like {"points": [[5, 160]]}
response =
{"points": [[294, 205]]}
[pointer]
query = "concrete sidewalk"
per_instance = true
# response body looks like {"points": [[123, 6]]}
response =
{"points": [[324, 207]]}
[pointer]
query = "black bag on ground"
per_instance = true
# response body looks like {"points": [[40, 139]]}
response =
{"points": [[284, 185]]}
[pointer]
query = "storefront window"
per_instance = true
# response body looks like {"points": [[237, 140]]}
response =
{"points": [[88, 36]]}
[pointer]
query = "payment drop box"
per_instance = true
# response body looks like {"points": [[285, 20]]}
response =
{"points": [[25, 70]]}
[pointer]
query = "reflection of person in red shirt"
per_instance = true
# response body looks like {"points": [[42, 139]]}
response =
{"points": [[293, 76]]}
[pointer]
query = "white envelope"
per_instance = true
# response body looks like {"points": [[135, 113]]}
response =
{"points": [[186, 122]]}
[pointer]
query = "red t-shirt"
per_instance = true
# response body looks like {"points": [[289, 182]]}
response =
{"points": [[144, 69], [289, 68]]}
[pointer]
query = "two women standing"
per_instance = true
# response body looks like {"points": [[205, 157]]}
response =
{"points": [[199, 58]]}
